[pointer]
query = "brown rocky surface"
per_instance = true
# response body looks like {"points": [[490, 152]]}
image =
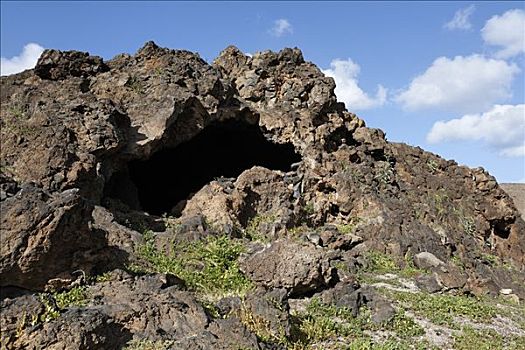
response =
{"points": [[517, 192], [133, 162]]}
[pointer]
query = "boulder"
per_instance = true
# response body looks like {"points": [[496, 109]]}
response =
{"points": [[287, 264]]}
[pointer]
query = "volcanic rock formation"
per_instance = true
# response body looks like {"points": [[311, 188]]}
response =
{"points": [[95, 154]]}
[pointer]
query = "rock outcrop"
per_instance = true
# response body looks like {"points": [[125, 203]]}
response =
{"points": [[94, 152]]}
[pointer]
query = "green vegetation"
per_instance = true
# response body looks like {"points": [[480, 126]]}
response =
{"points": [[135, 85], [321, 322], [55, 303], [486, 339], [456, 260], [381, 263], [253, 229], [16, 121], [349, 227], [385, 174], [469, 227], [309, 208], [433, 166], [102, 278], [441, 308], [74, 297], [390, 344], [378, 262], [261, 327], [145, 344], [208, 266], [471, 339], [490, 259], [442, 203]]}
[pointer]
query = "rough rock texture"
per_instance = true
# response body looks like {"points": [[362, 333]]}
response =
{"points": [[285, 264], [74, 128], [517, 193], [145, 307]]}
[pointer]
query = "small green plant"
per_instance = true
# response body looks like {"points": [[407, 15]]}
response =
{"points": [[322, 322], [105, 277], [135, 85], [432, 166], [385, 174], [261, 327], [456, 260], [490, 259], [77, 296], [441, 308], [349, 227], [309, 208], [146, 344], [208, 266], [297, 230], [253, 229], [404, 326], [16, 121], [442, 203], [51, 310], [472, 339], [469, 227], [378, 262]]}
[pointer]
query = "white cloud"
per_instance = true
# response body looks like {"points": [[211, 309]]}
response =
{"points": [[281, 27], [463, 84], [461, 19], [27, 59], [345, 74], [506, 31], [502, 127]]}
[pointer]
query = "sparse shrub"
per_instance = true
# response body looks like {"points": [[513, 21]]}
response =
{"points": [[253, 229], [378, 262], [261, 327], [77, 296], [208, 266], [321, 322], [472, 339], [384, 175], [135, 85], [469, 227], [441, 308], [432, 166], [146, 344], [350, 226]]}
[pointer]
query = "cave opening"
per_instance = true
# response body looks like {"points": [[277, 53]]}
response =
{"points": [[222, 149]]}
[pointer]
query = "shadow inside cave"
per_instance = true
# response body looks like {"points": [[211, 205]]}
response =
{"points": [[222, 149]]}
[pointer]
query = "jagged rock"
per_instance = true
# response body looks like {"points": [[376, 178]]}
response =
{"points": [[46, 235], [269, 309], [428, 283], [344, 295], [426, 260], [81, 181], [78, 329], [57, 65], [18, 312], [330, 237], [382, 311], [287, 264]]}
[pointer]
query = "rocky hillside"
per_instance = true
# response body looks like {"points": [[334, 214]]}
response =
{"points": [[156, 201]]}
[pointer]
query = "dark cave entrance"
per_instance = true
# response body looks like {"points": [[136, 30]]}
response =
{"points": [[222, 149]]}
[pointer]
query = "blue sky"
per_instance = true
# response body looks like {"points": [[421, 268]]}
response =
{"points": [[445, 76]]}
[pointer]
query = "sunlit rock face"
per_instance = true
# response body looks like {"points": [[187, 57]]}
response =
{"points": [[96, 153]]}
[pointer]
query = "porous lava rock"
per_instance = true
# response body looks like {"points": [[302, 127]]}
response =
{"points": [[79, 136]]}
